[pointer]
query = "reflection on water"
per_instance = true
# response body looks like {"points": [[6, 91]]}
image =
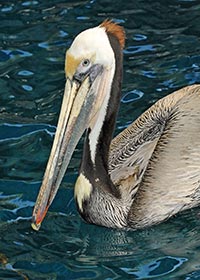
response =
{"points": [[68, 248], [162, 54]]}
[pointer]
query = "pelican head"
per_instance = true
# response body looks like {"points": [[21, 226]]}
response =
{"points": [[90, 67]]}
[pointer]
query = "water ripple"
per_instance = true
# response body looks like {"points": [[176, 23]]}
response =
{"points": [[157, 268], [132, 96], [139, 49], [16, 131]]}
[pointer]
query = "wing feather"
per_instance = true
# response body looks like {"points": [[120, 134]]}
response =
{"points": [[157, 158]]}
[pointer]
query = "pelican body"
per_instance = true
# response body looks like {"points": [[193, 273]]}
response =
{"points": [[146, 174]]}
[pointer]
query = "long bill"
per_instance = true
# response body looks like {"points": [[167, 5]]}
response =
{"points": [[81, 103]]}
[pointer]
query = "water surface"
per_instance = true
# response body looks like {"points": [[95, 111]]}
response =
{"points": [[162, 54]]}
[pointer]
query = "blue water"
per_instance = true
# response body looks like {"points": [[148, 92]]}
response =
{"points": [[162, 54]]}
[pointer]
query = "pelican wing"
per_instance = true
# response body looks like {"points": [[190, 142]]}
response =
{"points": [[157, 158]]}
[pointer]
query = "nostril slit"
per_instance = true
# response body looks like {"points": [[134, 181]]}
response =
{"points": [[79, 77]]}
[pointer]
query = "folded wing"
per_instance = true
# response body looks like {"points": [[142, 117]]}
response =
{"points": [[157, 158]]}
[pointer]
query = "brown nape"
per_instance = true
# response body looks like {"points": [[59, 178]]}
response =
{"points": [[115, 30]]}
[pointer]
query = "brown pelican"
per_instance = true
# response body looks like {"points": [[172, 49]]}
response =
{"points": [[146, 174]]}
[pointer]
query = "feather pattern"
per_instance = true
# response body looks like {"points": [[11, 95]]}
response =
{"points": [[157, 158]]}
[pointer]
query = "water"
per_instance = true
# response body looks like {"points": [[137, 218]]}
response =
{"points": [[162, 54]]}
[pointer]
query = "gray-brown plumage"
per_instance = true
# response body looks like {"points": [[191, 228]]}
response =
{"points": [[158, 157], [146, 174]]}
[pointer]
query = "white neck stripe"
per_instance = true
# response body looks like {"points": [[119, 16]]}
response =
{"points": [[96, 129]]}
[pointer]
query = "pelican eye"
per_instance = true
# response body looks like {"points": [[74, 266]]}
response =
{"points": [[85, 63], [82, 70]]}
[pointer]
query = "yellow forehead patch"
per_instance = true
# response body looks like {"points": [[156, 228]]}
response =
{"points": [[71, 64]]}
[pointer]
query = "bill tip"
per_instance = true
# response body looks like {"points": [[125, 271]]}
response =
{"points": [[35, 226]]}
